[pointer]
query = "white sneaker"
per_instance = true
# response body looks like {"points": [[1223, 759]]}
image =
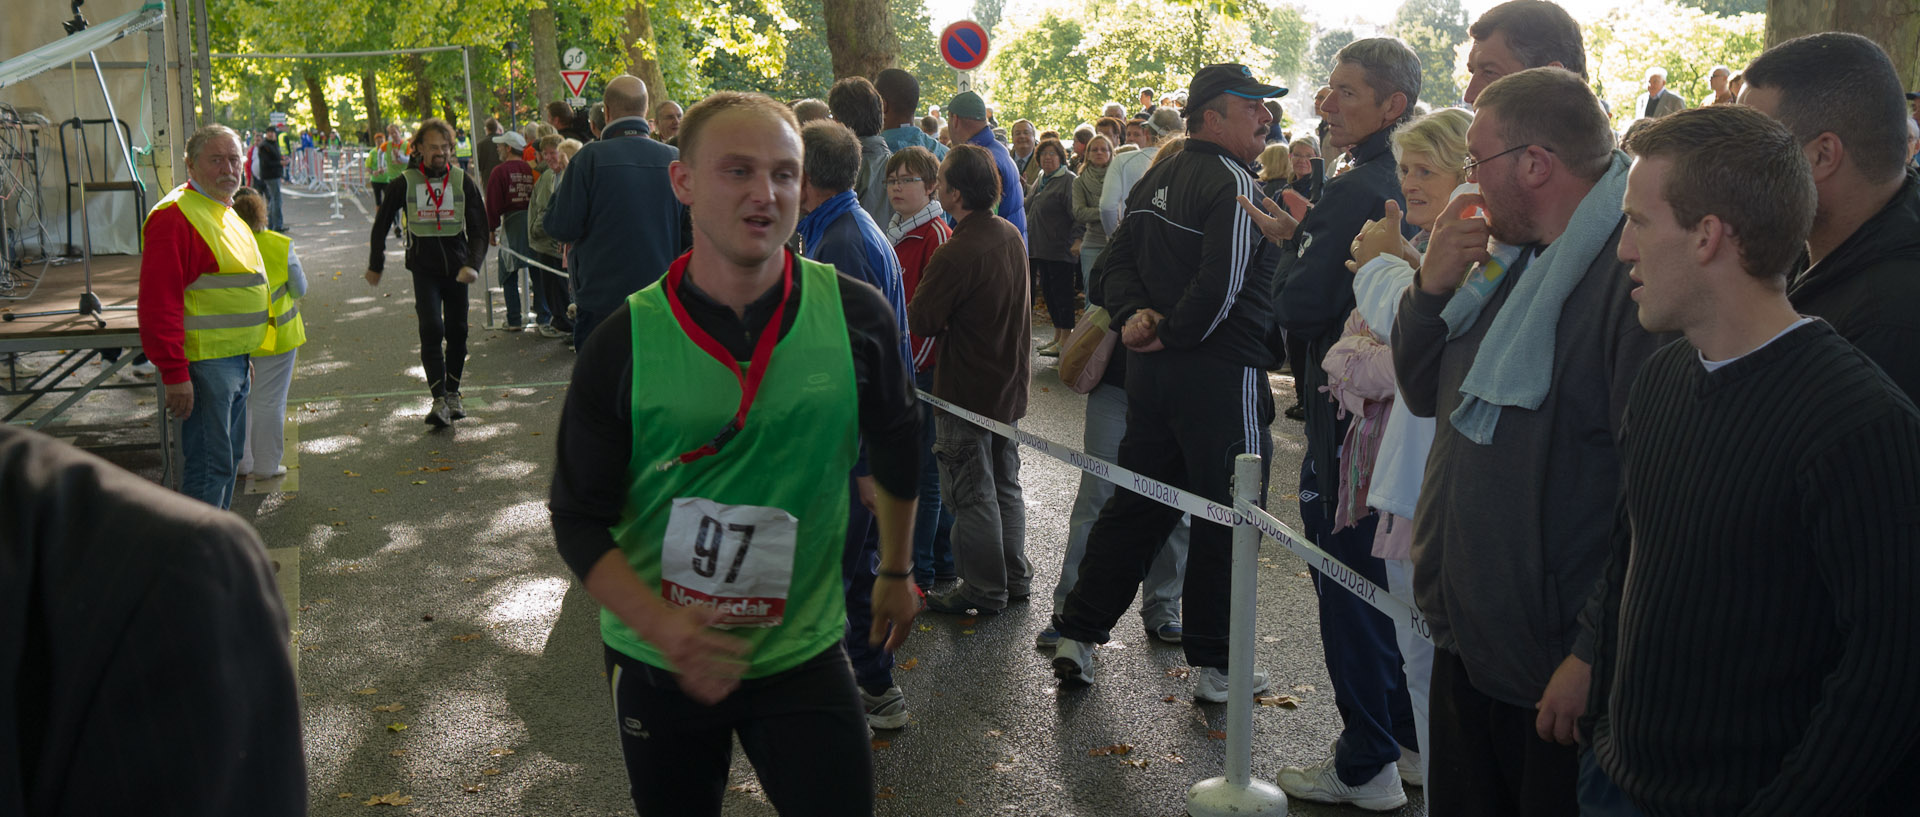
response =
{"points": [[1409, 766], [1073, 662], [1319, 783], [887, 710], [1210, 685]]}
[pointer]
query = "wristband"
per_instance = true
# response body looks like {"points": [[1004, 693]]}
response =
{"points": [[902, 574]]}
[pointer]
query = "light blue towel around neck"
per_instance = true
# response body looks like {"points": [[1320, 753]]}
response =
{"points": [[1514, 366]]}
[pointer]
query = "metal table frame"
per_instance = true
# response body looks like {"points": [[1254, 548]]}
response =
{"points": [[79, 348]]}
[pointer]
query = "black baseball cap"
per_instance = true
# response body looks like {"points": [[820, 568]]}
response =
{"points": [[1912, 95], [1228, 78]]}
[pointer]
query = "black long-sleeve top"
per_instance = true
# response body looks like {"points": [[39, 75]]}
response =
{"points": [[596, 426], [1757, 618], [434, 255]]}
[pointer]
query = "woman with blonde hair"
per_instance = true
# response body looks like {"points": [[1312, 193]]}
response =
{"points": [[1290, 165]]}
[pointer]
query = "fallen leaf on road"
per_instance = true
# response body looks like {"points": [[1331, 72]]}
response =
{"points": [[1115, 749], [390, 799], [966, 632], [1216, 734], [881, 744], [1179, 672], [445, 468], [490, 772], [367, 691], [1287, 701], [1302, 574], [395, 707], [475, 787], [350, 473], [465, 638], [344, 795], [1269, 639], [994, 733], [499, 751], [1174, 757], [1168, 699], [926, 628], [1003, 767], [968, 622], [379, 490], [744, 788], [396, 726], [910, 664], [419, 482], [885, 793], [397, 753], [1303, 687], [1138, 763]]}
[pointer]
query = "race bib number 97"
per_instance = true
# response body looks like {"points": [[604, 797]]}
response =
{"points": [[737, 558]]}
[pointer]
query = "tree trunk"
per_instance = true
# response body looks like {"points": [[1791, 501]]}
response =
{"points": [[546, 58], [370, 92], [1894, 24], [642, 57], [317, 103], [446, 112], [422, 86], [860, 37]]}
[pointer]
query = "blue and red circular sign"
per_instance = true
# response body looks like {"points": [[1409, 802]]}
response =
{"points": [[964, 45]]}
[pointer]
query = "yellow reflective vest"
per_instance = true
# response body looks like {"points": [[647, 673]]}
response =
{"points": [[285, 330], [226, 309]]}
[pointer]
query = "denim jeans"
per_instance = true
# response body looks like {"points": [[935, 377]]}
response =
{"points": [[980, 476], [514, 224], [1106, 424], [1089, 253], [932, 522], [1599, 797], [213, 436], [276, 220]]}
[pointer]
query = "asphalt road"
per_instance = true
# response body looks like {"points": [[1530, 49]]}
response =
{"points": [[446, 654]]}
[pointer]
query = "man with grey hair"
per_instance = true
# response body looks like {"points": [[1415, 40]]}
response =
{"points": [[203, 309], [1657, 101], [1718, 93], [616, 207], [1524, 351], [1376, 83]]}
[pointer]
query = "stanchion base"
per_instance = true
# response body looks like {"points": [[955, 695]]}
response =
{"points": [[1217, 797]]}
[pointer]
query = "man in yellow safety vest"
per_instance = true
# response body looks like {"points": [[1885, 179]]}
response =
{"points": [[203, 308]]}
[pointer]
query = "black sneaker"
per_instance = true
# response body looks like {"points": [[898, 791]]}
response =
{"points": [[437, 413], [455, 410], [1297, 411]]}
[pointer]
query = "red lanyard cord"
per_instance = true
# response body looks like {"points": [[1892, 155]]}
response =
{"points": [[434, 199], [756, 369]]}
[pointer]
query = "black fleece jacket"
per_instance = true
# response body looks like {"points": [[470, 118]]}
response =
{"points": [[1868, 288]]}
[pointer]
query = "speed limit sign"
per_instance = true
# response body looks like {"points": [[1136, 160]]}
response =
{"points": [[574, 59]]}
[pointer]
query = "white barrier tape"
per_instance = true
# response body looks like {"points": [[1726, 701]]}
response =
{"points": [[504, 250], [1203, 508]]}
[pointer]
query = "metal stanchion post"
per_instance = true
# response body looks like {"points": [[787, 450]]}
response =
{"points": [[1238, 792]]}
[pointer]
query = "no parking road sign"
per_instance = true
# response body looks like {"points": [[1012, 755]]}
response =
{"points": [[964, 45]]}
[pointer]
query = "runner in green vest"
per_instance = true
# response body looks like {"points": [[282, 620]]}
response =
{"points": [[446, 234], [717, 557]]}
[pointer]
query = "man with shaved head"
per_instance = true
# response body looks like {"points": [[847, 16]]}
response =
{"points": [[616, 207]]}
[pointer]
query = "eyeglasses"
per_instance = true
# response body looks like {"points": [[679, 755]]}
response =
{"points": [[1471, 163], [903, 181]]}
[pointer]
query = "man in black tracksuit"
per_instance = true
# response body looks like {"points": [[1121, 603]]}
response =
{"points": [[1187, 274], [1363, 658]]}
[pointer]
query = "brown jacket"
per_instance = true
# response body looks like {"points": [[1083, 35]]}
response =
{"points": [[973, 297]]}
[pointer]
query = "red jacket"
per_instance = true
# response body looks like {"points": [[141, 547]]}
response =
{"points": [[913, 250], [175, 256], [509, 190]]}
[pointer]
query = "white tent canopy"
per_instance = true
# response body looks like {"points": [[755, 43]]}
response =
{"points": [[63, 51]]}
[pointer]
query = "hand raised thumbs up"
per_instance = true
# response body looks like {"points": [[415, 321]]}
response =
{"points": [[1382, 237]]}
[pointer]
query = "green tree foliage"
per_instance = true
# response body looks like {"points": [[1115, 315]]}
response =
{"points": [[1327, 48], [1060, 70], [987, 13], [1282, 31], [1434, 29], [1728, 8], [1686, 41]]}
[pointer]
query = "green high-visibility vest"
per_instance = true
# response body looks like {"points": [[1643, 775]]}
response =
{"points": [[793, 454], [226, 309], [283, 311], [428, 219]]}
